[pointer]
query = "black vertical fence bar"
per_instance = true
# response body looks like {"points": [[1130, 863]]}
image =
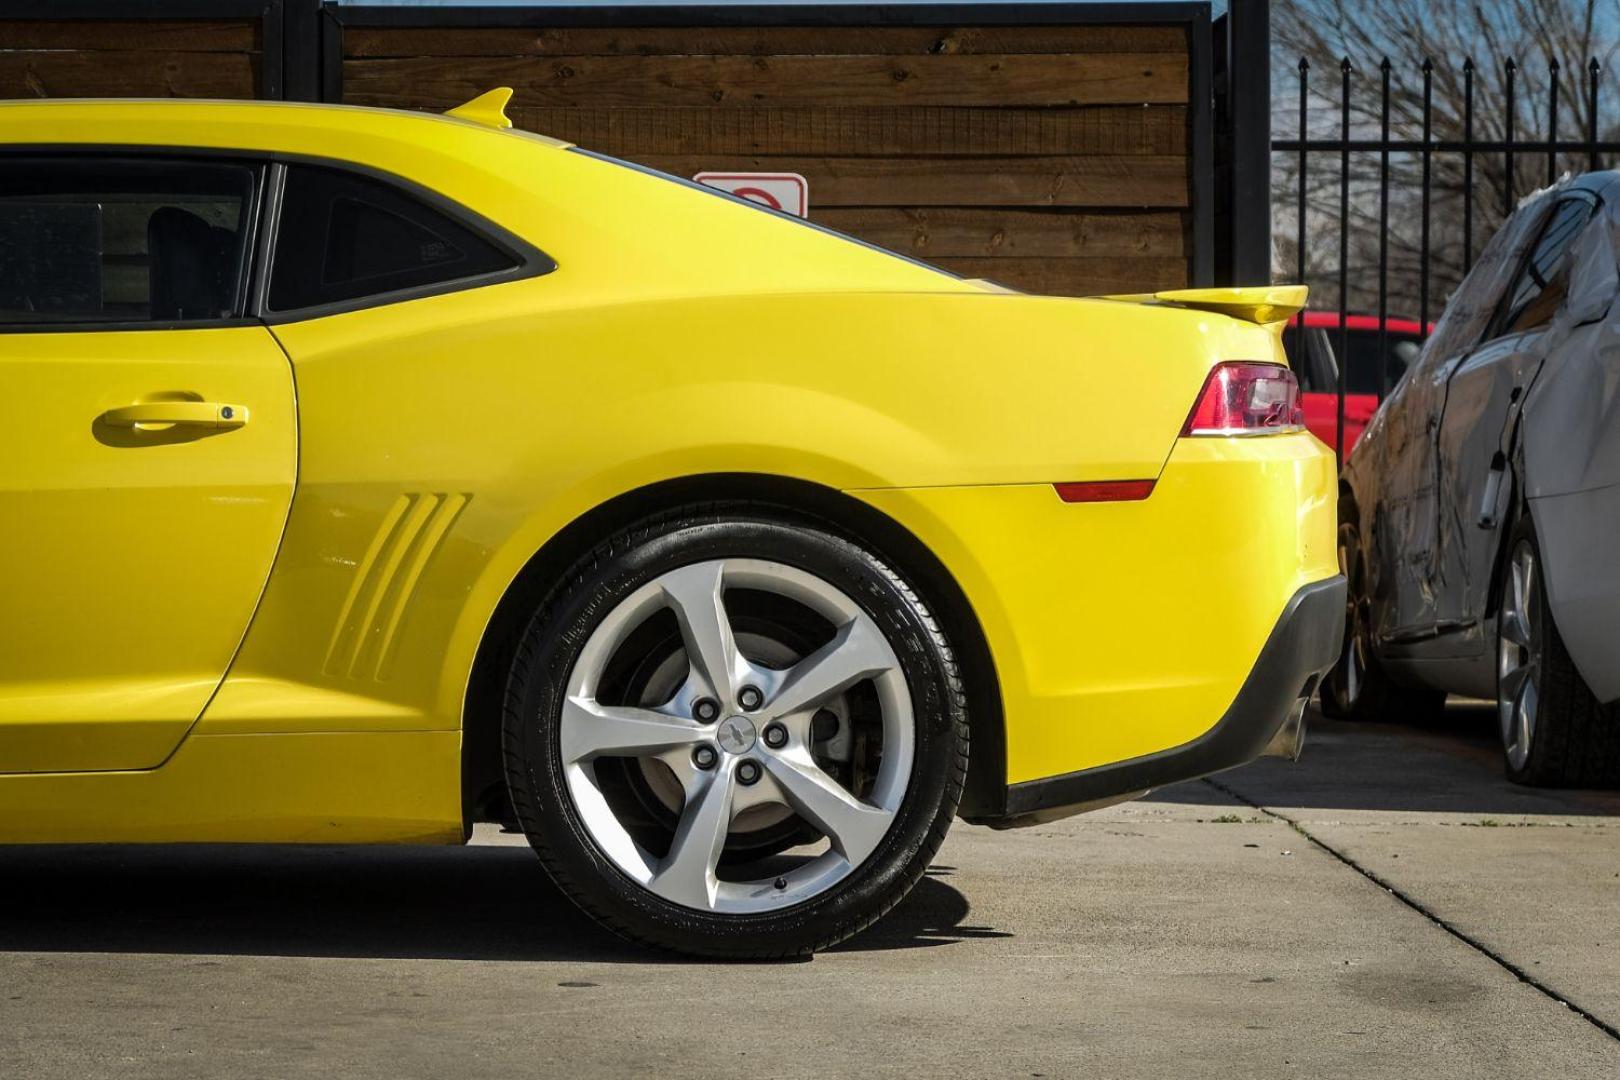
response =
{"points": [[1552, 120], [1586, 147], [1304, 137], [1468, 164], [1428, 155], [1592, 69], [1344, 254], [1510, 70], [1383, 236]]}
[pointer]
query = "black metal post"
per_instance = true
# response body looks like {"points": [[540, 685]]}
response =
{"points": [[1468, 164], [1592, 70], [1552, 120], [1248, 96], [1423, 243], [1344, 253], [1511, 69], [1383, 238], [1304, 137]]}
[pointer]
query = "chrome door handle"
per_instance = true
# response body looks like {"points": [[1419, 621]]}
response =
{"points": [[209, 414]]}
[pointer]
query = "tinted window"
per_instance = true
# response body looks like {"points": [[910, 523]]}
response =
{"points": [[1469, 313], [1543, 280], [345, 237], [122, 240], [1321, 374]]}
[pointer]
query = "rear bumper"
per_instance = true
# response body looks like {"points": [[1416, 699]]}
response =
{"points": [[1302, 646], [1123, 630]]}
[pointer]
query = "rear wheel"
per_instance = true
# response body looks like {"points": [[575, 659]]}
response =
{"points": [[1356, 688], [735, 735], [1554, 731]]}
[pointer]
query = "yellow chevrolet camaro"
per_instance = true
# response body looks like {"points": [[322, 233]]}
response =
{"points": [[369, 475]]}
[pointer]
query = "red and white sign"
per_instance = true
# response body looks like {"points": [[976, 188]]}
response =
{"points": [[788, 191]]}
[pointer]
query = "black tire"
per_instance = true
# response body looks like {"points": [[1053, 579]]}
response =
{"points": [[1357, 687], [553, 640], [1576, 740]]}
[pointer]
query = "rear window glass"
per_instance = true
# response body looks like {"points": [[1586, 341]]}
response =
{"points": [[1320, 374], [344, 237]]}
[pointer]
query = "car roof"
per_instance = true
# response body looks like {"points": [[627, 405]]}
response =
{"points": [[93, 112], [1596, 182]]}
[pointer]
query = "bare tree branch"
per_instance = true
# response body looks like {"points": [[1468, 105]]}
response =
{"points": [[1547, 39]]}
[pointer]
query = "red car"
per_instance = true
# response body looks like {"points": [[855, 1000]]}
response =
{"points": [[1318, 370]]}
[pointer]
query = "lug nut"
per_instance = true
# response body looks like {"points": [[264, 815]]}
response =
{"points": [[748, 772], [705, 756], [750, 698], [775, 736], [706, 709]]}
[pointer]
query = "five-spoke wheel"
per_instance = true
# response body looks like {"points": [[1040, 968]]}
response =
{"points": [[735, 735], [1518, 656], [738, 734], [1554, 730]]}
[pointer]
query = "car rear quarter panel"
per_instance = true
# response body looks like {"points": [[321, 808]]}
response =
{"points": [[1571, 463], [1123, 629], [445, 440]]}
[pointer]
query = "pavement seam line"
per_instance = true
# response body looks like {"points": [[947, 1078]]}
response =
{"points": [[1428, 913]]}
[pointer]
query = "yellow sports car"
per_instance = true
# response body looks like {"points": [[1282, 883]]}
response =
{"points": [[369, 475]]}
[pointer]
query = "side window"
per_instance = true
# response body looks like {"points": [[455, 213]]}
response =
{"points": [[1543, 280], [122, 240], [344, 236], [1321, 374], [1470, 312]]}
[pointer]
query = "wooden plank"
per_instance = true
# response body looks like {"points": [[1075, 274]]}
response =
{"points": [[1023, 79], [1074, 277], [375, 42], [161, 35], [863, 130], [127, 74], [1095, 180], [939, 232]]}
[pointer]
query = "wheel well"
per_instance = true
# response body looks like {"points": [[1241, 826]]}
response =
{"points": [[484, 795]]}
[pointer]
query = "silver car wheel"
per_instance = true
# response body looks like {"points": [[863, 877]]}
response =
{"points": [[1518, 656], [737, 735]]}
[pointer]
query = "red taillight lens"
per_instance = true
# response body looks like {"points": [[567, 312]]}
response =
{"points": [[1243, 398]]}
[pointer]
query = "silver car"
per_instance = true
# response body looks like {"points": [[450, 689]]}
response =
{"points": [[1480, 513]]}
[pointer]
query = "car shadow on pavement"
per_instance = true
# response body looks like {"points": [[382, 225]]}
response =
{"points": [[474, 903], [1450, 764]]}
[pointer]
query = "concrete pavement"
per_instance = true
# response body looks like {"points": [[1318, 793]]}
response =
{"points": [[1246, 929]]}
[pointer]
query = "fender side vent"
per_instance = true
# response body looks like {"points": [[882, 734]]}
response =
{"points": [[367, 631]]}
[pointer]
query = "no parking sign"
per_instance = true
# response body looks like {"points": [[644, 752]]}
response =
{"points": [[788, 192]]}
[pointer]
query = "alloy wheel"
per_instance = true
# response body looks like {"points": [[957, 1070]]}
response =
{"points": [[746, 730], [1518, 655]]}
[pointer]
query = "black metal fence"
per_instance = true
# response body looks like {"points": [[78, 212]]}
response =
{"points": [[1482, 141]]}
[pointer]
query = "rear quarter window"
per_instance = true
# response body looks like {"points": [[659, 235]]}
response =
{"points": [[345, 237]]}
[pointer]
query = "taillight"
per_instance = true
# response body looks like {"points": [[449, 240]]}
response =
{"points": [[1243, 398]]}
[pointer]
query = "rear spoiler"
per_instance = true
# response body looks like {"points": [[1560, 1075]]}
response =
{"points": [[1267, 305]]}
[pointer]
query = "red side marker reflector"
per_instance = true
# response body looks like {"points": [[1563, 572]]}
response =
{"points": [[1105, 491]]}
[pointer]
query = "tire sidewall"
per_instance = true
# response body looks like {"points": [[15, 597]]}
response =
{"points": [[536, 692]]}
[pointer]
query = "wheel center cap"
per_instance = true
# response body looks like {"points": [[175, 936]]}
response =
{"points": [[736, 734]]}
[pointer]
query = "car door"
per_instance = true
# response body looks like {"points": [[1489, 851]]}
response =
{"points": [[1398, 477], [1481, 404], [149, 446]]}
